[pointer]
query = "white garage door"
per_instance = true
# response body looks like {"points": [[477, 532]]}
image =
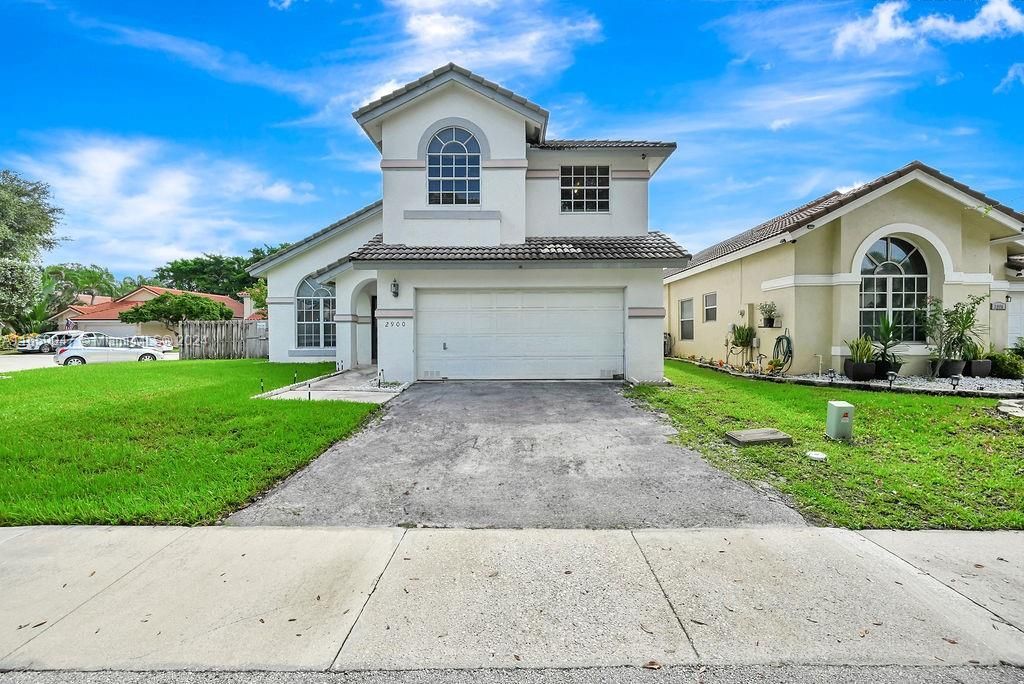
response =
{"points": [[1015, 318], [519, 334]]}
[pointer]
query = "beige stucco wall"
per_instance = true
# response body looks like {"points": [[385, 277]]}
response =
{"points": [[738, 286], [818, 292]]}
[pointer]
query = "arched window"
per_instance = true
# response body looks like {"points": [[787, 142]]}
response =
{"points": [[314, 314], [453, 167], [893, 283]]}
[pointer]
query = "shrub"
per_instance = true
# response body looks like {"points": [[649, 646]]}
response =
{"points": [[861, 350], [1006, 365], [1018, 347], [743, 335]]}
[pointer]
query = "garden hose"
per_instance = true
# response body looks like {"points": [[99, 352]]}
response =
{"points": [[784, 350]]}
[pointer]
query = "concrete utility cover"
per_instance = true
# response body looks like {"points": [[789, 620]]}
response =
{"points": [[758, 436], [1012, 407]]}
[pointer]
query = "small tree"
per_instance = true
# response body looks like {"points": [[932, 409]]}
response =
{"points": [[171, 310], [19, 289]]}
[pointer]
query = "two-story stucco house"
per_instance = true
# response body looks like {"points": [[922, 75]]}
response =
{"points": [[495, 252], [837, 265]]}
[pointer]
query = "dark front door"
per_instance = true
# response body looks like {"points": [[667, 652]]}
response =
{"points": [[373, 329]]}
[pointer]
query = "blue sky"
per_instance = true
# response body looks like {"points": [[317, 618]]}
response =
{"points": [[170, 129]]}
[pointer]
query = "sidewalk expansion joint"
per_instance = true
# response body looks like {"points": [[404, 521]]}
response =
{"points": [[373, 588], [98, 592], [664, 593], [942, 584]]}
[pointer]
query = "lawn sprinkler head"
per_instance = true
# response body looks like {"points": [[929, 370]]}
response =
{"points": [[261, 385], [295, 377], [954, 380], [892, 377], [831, 375]]}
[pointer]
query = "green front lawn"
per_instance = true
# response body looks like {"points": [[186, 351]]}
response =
{"points": [[917, 461], [175, 442]]}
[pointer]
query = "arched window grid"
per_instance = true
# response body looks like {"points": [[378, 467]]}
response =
{"points": [[315, 304], [894, 283], [453, 167]]}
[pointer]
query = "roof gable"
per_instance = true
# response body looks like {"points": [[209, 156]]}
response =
{"points": [[827, 207], [316, 238], [368, 115]]}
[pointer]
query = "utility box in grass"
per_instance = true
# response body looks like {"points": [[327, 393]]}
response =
{"points": [[839, 421]]}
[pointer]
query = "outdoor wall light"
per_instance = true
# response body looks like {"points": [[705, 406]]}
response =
{"points": [[394, 287], [954, 380], [892, 377], [831, 375], [1009, 299]]}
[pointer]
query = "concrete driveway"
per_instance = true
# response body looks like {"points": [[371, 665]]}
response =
{"points": [[515, 454]]}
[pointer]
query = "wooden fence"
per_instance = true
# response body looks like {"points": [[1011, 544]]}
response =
{"points": [[235, 339]]}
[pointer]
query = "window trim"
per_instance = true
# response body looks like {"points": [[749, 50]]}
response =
{"points": [[704, 302], [597, 175], [691, 319]]}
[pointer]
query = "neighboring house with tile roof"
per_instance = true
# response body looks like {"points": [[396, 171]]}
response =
{"points": [[494, 252], [103, 316], [838, 264]]}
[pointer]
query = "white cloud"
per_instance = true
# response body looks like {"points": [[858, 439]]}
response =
{"points": [[779, 124], [852, 186], [887, 24], [281, 4], [1014, 75], [134, 203], [520, 40]]}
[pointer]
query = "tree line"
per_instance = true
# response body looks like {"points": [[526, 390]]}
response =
{"points": [[31, 293]]}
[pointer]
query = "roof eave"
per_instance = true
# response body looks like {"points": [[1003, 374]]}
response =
{"points": [[316, 238], [428, 264]]}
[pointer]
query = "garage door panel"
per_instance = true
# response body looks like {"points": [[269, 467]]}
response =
{"points": [[526, 333]]}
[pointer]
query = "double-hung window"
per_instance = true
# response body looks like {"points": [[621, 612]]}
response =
{"points": [[711, 307], [686, 319], [585, 189]]}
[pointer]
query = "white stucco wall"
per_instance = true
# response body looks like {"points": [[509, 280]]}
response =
{"points": [[642, 289], [283, 279]]}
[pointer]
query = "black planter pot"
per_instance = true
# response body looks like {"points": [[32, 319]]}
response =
{"points": [[859, 372], [950, 367], [980, 368], [769, 322], [882, 369]]}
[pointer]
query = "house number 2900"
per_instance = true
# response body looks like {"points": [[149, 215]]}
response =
{"points": [[394, 324]]}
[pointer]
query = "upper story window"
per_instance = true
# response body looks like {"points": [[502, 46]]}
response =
{"points": [[453, 167], [584, 189]]}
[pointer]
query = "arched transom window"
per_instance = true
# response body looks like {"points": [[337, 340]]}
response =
{"points": [[453, 167], [893, 283], [314, 314]]}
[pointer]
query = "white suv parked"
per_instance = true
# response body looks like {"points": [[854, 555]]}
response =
{"points": [[99, 348]]}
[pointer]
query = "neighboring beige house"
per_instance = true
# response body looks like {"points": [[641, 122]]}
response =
{"points": [[103, 316], [835, 265]]}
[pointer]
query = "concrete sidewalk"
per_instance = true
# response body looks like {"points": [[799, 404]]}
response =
{"points": [[128, 598]]}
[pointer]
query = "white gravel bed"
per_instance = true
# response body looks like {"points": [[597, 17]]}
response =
{"points": [[967, 384], [371, 386]]}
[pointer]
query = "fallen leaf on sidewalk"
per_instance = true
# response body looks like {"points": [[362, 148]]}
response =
{"points": [[39, 624], [698, 622], [652, 665], [978, 565], [645, 629], [951, 641]]}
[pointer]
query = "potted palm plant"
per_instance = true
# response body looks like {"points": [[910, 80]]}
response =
{"points": [[860, 367], [977, 365], [887, 337], [769, 312]]}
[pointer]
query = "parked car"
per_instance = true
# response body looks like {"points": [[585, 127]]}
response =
{"points": [[41, 344], [164, 344], [99, 348]]}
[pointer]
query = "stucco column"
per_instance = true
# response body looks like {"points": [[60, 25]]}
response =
{"points": [[346, 339]]}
